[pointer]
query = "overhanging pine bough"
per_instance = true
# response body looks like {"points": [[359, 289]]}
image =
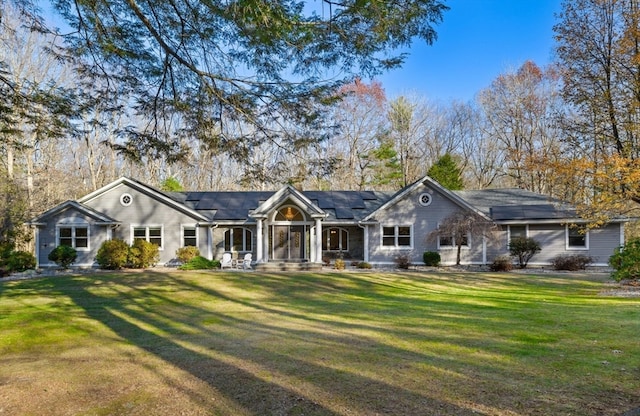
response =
{"points": [[256, 62]]}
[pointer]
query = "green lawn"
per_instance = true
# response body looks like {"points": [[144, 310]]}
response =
{"points": [[170, 343]]}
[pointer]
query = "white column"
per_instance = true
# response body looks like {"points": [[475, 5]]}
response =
{"points": [[37, 243], [318, 258], [265, 241], [484, 250], [259, 248], [312, 244], [366, 243], [210, 242]]}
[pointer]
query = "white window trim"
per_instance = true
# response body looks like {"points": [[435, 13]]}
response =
{"points": [[575, 248], [454, 246], [73, 227], [453, 243], [526, 232], [244, 239], [396, 246], [342, 246], [146, 227], [182, 227]]}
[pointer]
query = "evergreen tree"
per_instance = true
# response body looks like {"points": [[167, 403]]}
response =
{"points": [[447, 173], [235, 72]]}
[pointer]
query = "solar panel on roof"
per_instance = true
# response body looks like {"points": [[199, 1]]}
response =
{"points": [[344, 214], [325, 201], [368, 195], [541, 211], [193, 196], [207, 201], [507, 212], [230, 214]]}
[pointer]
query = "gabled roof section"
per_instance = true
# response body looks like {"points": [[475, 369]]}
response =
{"points": [[73, 205], [288, 193], [427, 181], [147, 190]]}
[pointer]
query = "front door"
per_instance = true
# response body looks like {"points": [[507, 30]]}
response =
{"points": [[288, 242]]}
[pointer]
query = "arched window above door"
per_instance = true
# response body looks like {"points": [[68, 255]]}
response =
{"points": [[289, 213]]}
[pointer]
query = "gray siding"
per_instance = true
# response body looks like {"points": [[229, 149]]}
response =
{"points": [[552, 239], [147, 211], [424, 220], [47, 237]]}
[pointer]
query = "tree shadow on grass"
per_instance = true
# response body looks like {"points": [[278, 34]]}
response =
{"points": [[147, 319]]}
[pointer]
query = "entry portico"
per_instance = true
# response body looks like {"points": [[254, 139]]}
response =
{"points": [[288, 228]]}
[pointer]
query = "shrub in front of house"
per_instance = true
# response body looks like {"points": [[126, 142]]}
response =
{"points": [[63, 256], [501, 264], [523, 248], [339, 264], [200, 263], [185, 254], [431, 258], [626, 261], [571, 263], [402, 261], [143, 254], [363, 265], [20, 261], [113, 254]]}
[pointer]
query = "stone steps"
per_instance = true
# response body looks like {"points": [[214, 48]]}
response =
{"points": [[286, 266]]}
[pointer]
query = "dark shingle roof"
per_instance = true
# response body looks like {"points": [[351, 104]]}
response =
{"points": [[235, 205], [516, 204]]}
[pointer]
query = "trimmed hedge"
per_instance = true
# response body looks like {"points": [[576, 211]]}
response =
{"points": [[431, 258], [113, 254], [63, 256]]}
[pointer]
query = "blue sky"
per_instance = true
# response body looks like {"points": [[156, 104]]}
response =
{"points": [[477, 41]]}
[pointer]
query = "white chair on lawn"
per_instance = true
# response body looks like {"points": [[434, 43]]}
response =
{"points": [[226, 261], [245, 264]]}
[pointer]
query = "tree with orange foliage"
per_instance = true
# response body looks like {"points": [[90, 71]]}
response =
{"points": [[599, 52]]}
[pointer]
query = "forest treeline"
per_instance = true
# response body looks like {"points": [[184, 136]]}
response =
{"points": [[80, 109]]}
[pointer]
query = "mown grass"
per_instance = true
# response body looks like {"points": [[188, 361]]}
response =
{"points": [[317, 344]]}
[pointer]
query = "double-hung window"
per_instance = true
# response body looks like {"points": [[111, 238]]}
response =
{"points": [[76, 236], [397, 236], [450, 241], [577, 238], [189, 236], [517, 231], [150, 233]]}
